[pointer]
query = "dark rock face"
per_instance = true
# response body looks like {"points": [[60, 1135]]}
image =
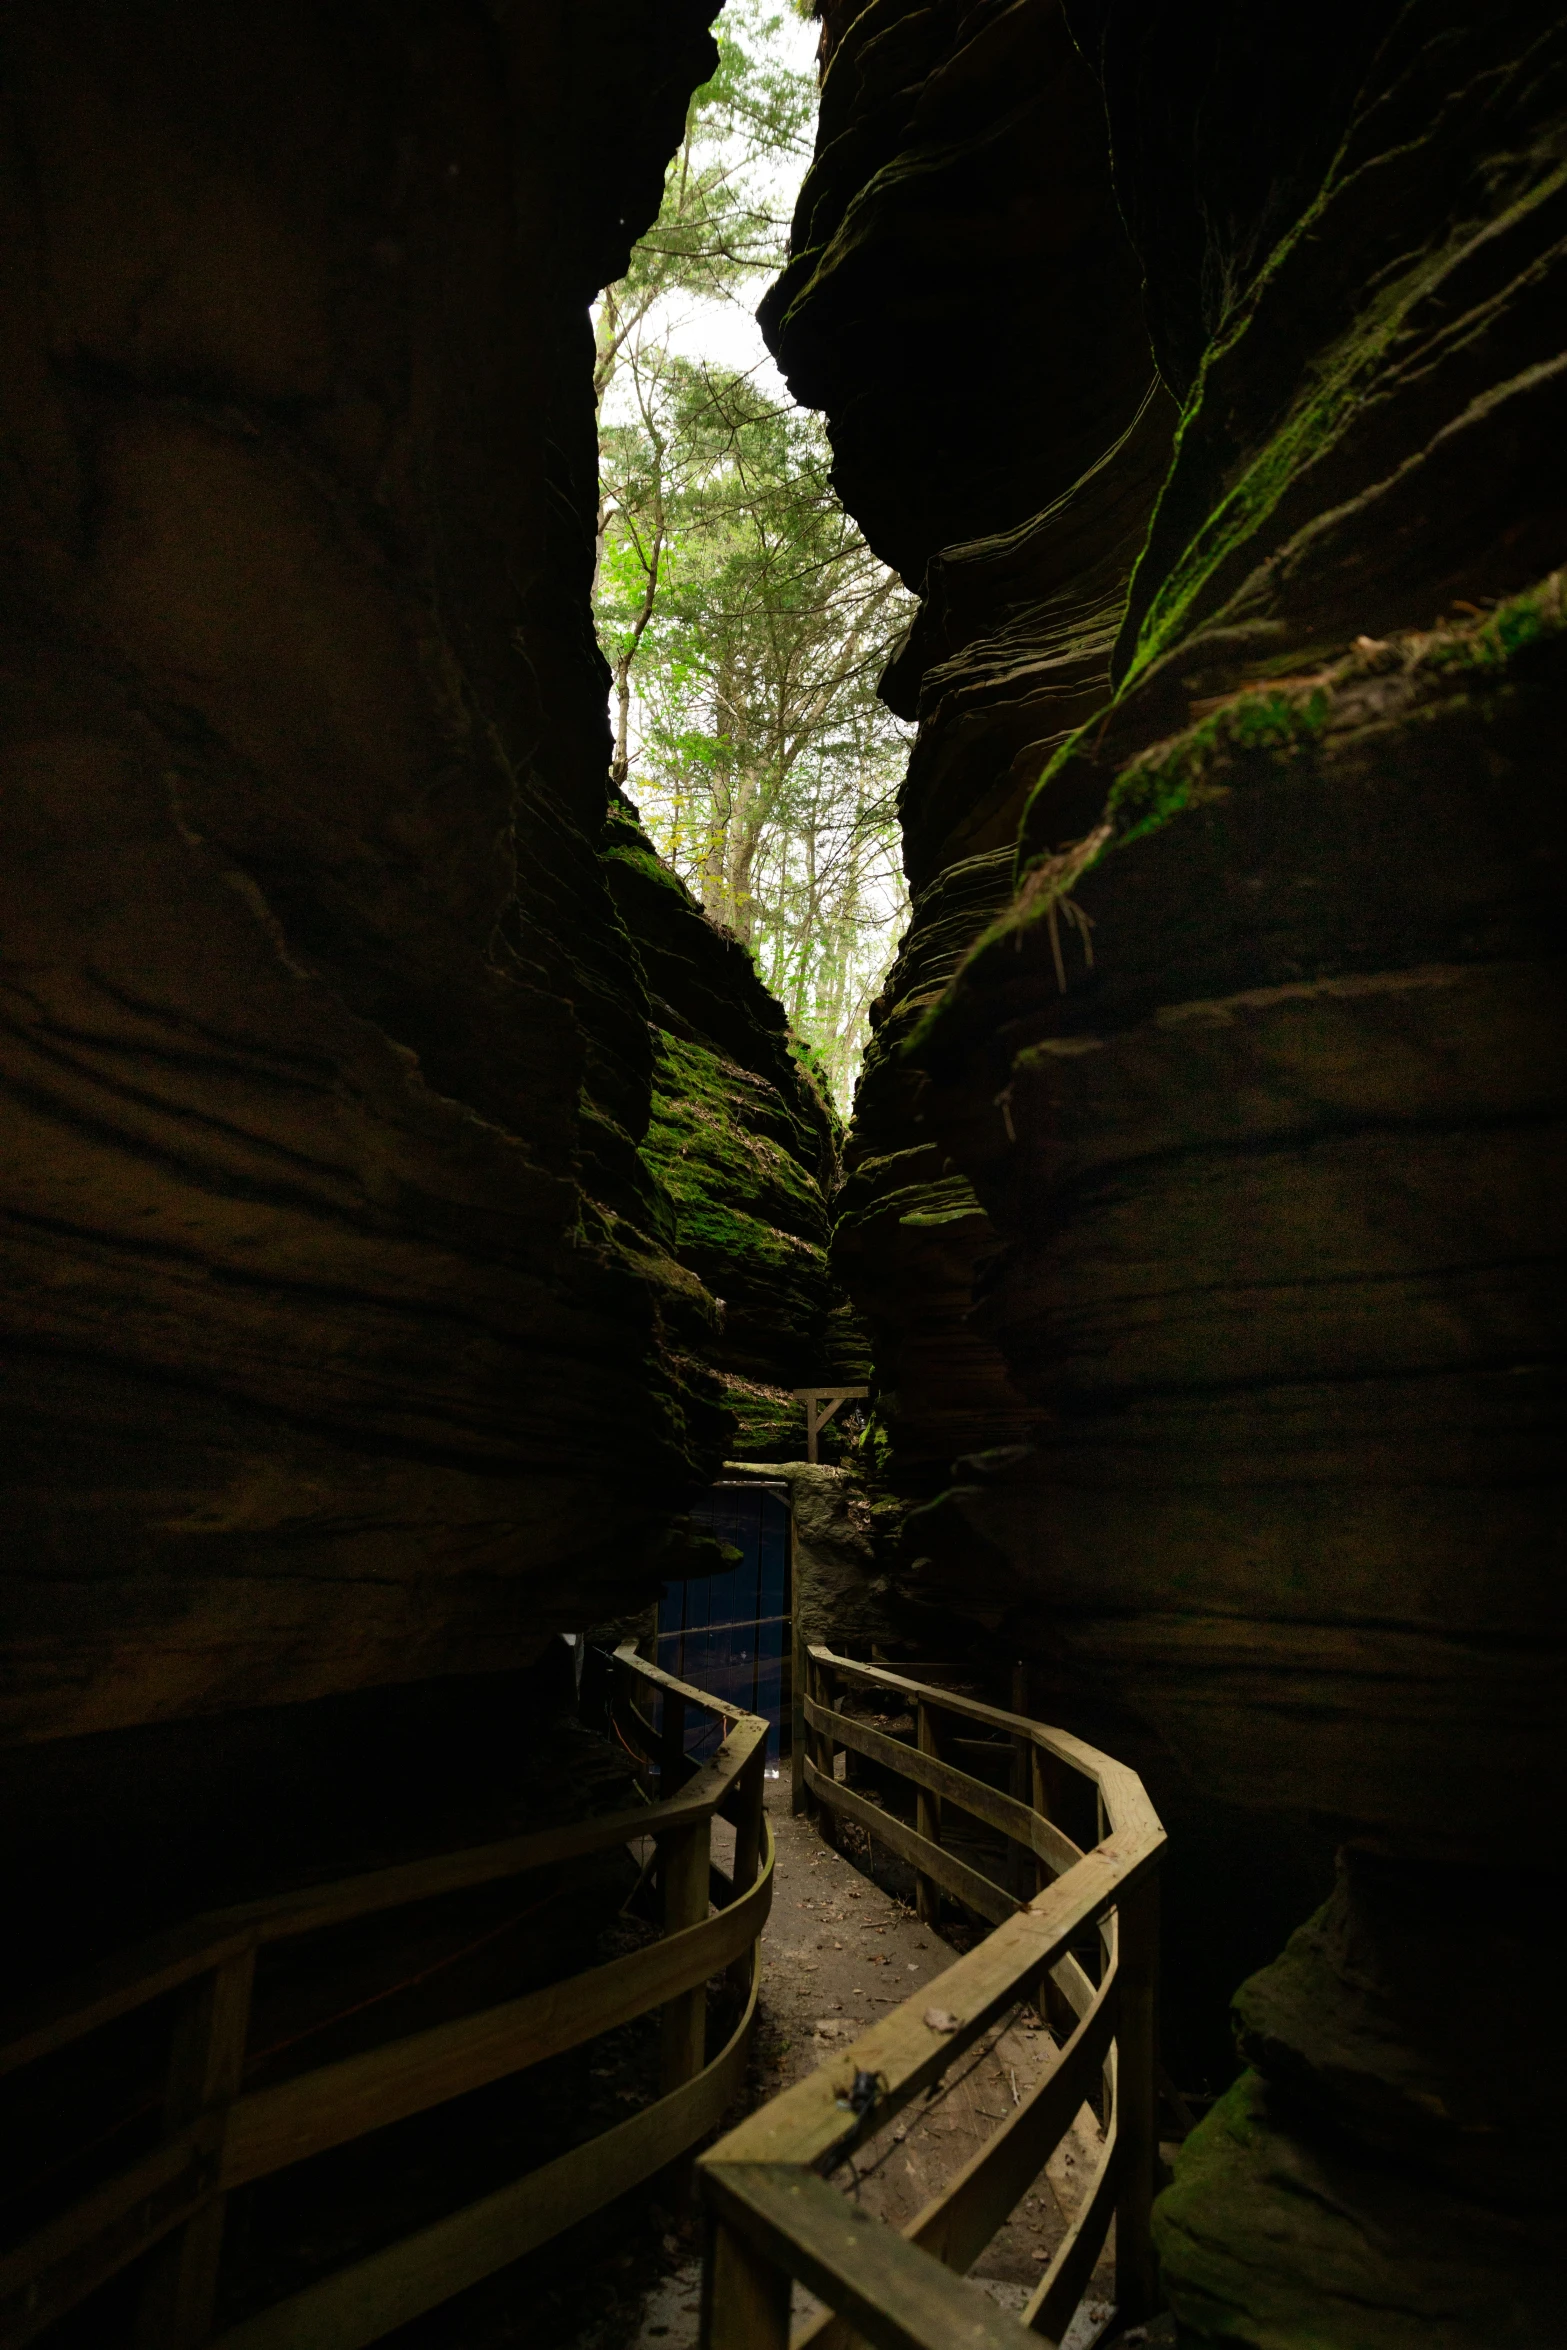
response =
{"points": [[1004, 453], [958, 154], [1257, 1074], [344, 1339]]}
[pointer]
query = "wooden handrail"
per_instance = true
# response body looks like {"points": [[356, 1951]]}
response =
{"points": [[360, 2304], [131, 1978], [272, 2128], [1019, 1821], [168, 2206], [774, 2216]]}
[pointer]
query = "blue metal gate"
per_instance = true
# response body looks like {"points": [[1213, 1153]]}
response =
{"points": [[730, 1632]]}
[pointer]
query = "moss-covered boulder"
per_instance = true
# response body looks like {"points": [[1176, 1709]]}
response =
{"points": [[1360, 2254]]}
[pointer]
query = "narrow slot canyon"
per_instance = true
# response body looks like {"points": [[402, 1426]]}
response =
{"points": [[781, 932]]}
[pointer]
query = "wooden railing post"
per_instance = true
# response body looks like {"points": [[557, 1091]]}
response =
{"points": [[750, 1788], [206, 2063], [927, 1819], [745, 2298], [1039, 1797], [821, 1755], [622, 1702], [685, 1854], [671, 1745], [1137, 2101], [1025, 1867], [797, 1688]]}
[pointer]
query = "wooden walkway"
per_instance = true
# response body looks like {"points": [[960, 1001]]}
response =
{"points": [[167, 2210], [777, 2215], [1073, 1948]]}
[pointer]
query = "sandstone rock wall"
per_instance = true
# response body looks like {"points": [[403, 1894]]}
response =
{"points": [[348, 1334], [1252, 1061], [1003, 452]]}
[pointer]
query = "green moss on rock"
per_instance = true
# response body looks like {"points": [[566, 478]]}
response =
{"points": [[1300, 2261], [769, 1422], [740, 1150], [1275, 724], [1246, 738]]}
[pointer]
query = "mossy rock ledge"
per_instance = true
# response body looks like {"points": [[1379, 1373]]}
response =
{"points": [[742, 1147]]}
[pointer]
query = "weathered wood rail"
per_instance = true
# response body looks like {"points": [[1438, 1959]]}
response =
{"points": [[167, 2209], [772, 2215]]}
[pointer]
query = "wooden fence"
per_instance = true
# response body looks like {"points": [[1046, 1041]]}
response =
{"points": [[774, 2217], [167, 2209]]}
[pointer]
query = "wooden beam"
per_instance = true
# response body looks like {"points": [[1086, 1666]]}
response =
{"points": [[70, 2257], [1025, 1871], [797, 1685], [988, 1900], [271, 2128], [206, 2065], [1050, 2309], [745, 2296], [893, 2294], [176, 2191], [1137, 2098], [819, 1755], [61, 2263], [361, 2303], [806, 2123], [927, 1813], [1125, 1798], [816, 1419], [132, 1978], [687, 1856], [750, 1825], [626, 1654], [923, 1767], [956, 2225], [762, 2179]]}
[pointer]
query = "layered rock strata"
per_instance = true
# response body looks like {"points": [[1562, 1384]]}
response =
{"points": [[1258, 1076], [1004, 455], [349, 1334], [365, 1119], [842, 1532]]}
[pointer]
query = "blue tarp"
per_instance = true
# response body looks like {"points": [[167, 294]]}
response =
{"points": [[729, 1633]]}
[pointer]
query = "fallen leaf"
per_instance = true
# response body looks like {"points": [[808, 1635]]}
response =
{"points": [[940, 2019]]}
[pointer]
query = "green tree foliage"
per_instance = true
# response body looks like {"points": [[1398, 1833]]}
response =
{"points": [[744, 618]]}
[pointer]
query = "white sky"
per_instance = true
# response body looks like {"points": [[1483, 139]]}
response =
{"points": [[726, 332]]}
